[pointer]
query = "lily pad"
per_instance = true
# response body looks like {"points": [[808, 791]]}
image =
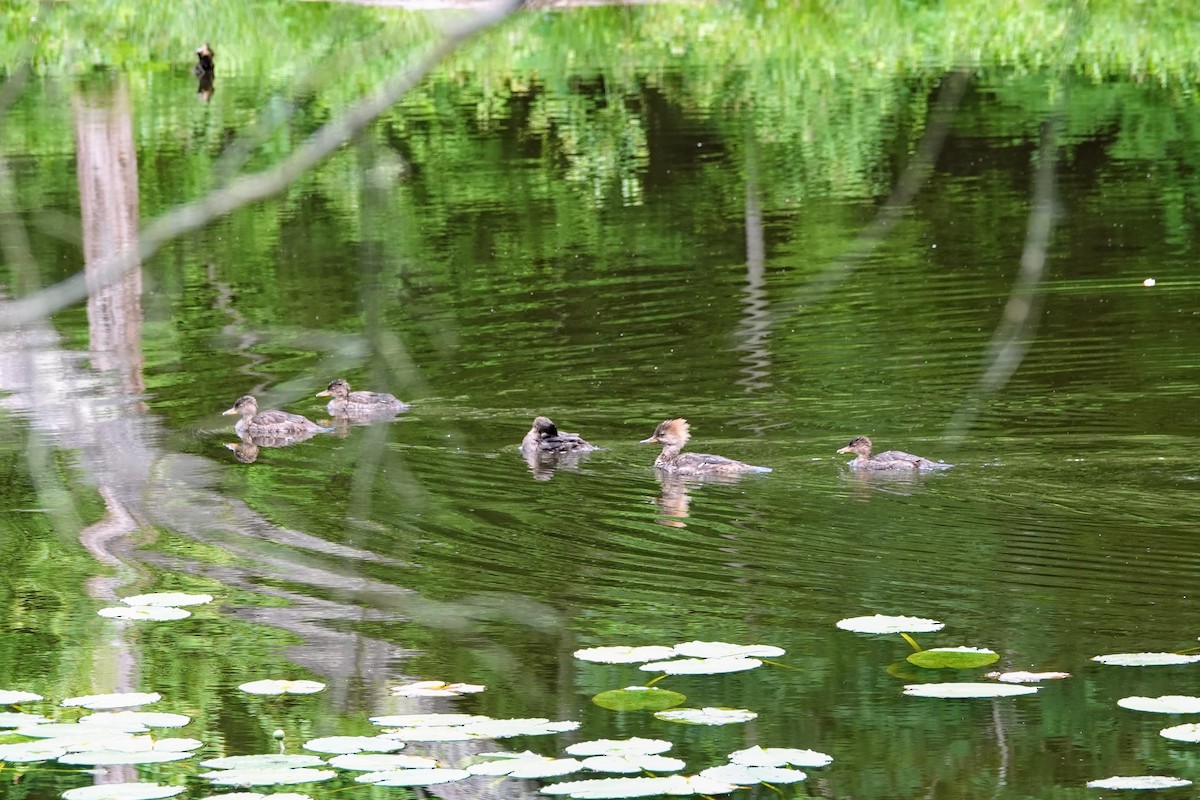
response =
{"points": [[56, 730], [16, 719], [436, 689], [145, 613], [746, 775], [146, 719], [601, 788], [702, 666], [631, 763], [881, 623], [1146, 659], [1027, 677], [167, 599], [505, 728], [1166, 704], [1188, 732], [427, 720], [413, 777], [707, 716], [433, 733], [525, 766], [9, 697], [619, 747], [99, 758], [353, 744], [1138, 782], [264, 761], [122, 791], [954, 657], [961, 690], [116, 700], [727, 650], [638, 698], [625, 655], [780, 756], [25, 752], [274, 687], [381, 762], [278, 776]]}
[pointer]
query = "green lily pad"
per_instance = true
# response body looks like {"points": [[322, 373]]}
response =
{"points": [[638, 698], [954, 657]]}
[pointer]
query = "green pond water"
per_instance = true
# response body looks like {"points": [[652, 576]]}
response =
{"points": [[612, 246]]}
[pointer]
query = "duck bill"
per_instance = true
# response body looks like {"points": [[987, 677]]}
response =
{"points": [[651, 440], [324, 393], [229, 412], [845, 450]]}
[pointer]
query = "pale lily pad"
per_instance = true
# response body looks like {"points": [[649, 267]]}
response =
{"points": [[1146, 659], [625, 655], [780, 756], [727, 650], [639, 787], [353, 744], [98, 758], [381, 762], [178, 744], [505, 728], [116, 741], [630, 763], [1027, 677], [23, 752], [145, 613], [10, 697], [16, 719], [413, 777], [619, 747], [278, 776], [116, 700], [702, 666], [1188, 732], [56, 730], [432, 733], [167, 599], [1138, 782], [706, 716], [638, 698], [1166, 704], [282, 687], [145, 719], [525, 766], [435, 689], [264, 761], [881, 623], [428, 720], [960, 690], [746, 775], [122, 791], [954, 657]]}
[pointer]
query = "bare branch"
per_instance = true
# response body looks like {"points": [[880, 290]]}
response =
{"points": [[252, 188]]}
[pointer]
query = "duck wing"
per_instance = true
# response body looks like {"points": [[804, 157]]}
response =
{"points": [[898, 459]]}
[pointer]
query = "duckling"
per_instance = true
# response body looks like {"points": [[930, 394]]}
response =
{"points": [[204, 61], [349, 404], [269, 423], [673, 434], [892, 459], [545, 437]]}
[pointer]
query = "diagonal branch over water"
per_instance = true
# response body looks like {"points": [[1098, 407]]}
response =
{"points": [[259, 186]]}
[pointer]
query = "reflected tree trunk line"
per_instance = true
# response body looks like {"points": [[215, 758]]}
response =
{"points": [[756, 318]]}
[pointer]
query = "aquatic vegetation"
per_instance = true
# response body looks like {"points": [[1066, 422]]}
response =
{"points": [[122, 791], [343, 745], [22, 752], [638, 698], [435, 689], [414, 777], [633, 746], [9, 697], [624, 655], [524, 765], [264, 761], [145, 613], [882, 624], [146, 719], [115, 700], [1166, 704], [963, 690], [17, 719], [630, 763], [640, 787], [381, 762], [779, 756], [1027, 677], [267, 776], [1138, 782], [707, 716], [953, 657], [727, 650], [1146, 659], [702, 666], [746, 775], [1188, 732], [167, 599], [282, 687], [427, 720]]}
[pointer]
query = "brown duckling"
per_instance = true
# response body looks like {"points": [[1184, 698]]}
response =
{"points": [[892, 459], [349, 404], [269, 423], [545, 437], [673, 434], [204, 61]]}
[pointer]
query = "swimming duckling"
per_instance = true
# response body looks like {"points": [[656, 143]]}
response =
{"points": [[271, 422], [673, 434], [892, 459], [349, 404], [545, 437], [204, 61]]}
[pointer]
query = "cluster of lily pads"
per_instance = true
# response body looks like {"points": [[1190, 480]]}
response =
{"points": [[1016, 683]]}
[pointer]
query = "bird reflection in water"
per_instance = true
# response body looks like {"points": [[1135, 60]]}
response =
{"points": [[675, 498], [205, 72], [246, 450]]}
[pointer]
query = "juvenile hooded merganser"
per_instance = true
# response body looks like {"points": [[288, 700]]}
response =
{"points": [[204, 61], [271, 422], [673, 434], [349, 404], [892, 459], [545, 437]]}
